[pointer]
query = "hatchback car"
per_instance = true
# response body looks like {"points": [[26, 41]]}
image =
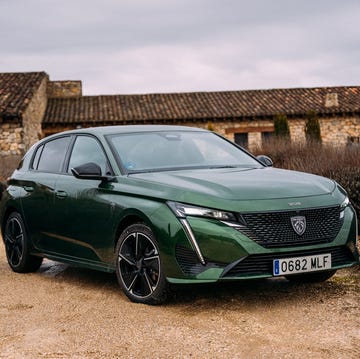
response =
{"points": [[172, 204]]}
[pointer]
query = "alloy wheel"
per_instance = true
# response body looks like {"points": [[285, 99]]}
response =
{"points": [[139, 265], [14, 241]]}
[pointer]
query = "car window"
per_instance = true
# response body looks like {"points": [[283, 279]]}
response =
{"points": [[52, 155], [177, 149], [87, 149]]}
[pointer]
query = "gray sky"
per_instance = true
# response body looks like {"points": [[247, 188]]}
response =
{"points": [[145, 46]]}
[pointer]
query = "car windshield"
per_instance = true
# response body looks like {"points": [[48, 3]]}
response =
{"points": [[173, 150]]}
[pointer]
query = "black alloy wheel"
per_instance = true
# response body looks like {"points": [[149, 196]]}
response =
{"points": [[17, 246], [139, 270]]}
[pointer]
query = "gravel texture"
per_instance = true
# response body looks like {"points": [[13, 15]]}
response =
{"points": [[65, 312]]}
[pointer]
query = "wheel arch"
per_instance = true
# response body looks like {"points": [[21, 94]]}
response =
{"points": [[10, 209], [132, 216]]}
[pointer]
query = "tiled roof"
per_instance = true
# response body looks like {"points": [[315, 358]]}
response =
{"points": [[16, 91], [123, 109]]}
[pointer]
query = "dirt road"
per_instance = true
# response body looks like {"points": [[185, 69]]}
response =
{"points": [[64, 312]]}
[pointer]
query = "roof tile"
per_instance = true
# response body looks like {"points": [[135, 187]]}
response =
{"points": [[16, 91], [199, 105]]}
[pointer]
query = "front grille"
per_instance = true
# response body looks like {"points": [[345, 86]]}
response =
{"points": [[274, 229], [262, 264]]}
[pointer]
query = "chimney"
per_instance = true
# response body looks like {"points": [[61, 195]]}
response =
{"points": [[331, 99], [64, 89]]}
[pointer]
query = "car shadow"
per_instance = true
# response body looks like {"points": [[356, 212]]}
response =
{"points": [[89, 278], [250, 292]]}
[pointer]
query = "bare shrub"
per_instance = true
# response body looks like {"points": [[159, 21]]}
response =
{"points": [[339, 163], [7, 166]]}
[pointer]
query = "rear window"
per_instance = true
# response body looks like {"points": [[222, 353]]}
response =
{"points": [[50, 156]]}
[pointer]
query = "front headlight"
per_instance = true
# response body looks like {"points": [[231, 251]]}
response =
{"points": [[345, 203], [182, 210]]}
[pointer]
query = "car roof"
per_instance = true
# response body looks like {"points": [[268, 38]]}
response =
{"points": [[108, 130]]}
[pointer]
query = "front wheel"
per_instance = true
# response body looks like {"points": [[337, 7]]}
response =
{"points": [[138, 266], [17, 246], [311, 277]]}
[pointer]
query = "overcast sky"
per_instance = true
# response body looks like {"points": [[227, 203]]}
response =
{"points": [[146, 46]]}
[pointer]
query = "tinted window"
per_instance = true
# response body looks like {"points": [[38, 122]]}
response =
{"points": [[53, 154], [176, 149], [87, 149]]}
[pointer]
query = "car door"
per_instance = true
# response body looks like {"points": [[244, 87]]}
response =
{"points": [[39, 184], [83, 208]]}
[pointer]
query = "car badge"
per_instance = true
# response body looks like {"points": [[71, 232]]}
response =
{"points": [[299, 224], [291, 204]]}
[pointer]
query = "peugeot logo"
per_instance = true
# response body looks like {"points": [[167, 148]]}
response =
{"points": [[299, 224]]}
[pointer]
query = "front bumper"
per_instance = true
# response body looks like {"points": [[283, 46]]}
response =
{"points": [[231, 255]]}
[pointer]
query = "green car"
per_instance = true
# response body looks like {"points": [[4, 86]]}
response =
{"points": [[170, 204]]}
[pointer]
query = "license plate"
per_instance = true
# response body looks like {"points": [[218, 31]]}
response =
{"points": [[301, 264]]}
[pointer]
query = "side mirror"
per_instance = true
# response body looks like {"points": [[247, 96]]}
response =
{"points": [[265, 160], [90, 171]]}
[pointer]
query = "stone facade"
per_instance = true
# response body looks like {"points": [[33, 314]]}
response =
{"points": [[335, 131], [340, 130], [32, 117], [32, 106], [64, 89], [11, 136], [255, 131], [16, 137]]}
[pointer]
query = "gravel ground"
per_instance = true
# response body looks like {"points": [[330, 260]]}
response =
{"points": [[64, 312]]}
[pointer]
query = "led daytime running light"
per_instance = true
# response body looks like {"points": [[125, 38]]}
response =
{"points": [[183, 210], [345, 203]]}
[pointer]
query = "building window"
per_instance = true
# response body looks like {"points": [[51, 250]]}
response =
{"points": [[242, 139], [266, 136]]}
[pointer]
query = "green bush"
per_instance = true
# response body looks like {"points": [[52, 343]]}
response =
{"points": [[281, 127], [312, 127]]}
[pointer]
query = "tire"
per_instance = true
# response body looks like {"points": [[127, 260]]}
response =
{"points": [[311, 277], [139, 269], [17, 246]]}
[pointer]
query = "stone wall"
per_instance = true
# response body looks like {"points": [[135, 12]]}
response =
{"points": [[297, 130], [340, 131], [11, 135], [33, 115], [63, 89], [334, 130], [228, 129]]}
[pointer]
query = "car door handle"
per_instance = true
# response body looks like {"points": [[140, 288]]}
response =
{"points": [[61, 194], [29, 188]]}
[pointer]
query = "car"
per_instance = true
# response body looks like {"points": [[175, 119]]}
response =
{"points": [[167, 205]]}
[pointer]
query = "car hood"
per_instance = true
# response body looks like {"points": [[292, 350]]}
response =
{"points": [[213, 185]]}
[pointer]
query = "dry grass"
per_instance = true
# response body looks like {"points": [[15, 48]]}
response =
{"points": [[339, 163], [7, 166], [314, 158]]}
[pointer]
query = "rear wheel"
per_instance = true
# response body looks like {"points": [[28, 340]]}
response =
{"points": [[138, 267], [17, 246], [311, 277]]}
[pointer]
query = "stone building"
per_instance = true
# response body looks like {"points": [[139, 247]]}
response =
{"points": [[32, 106], [23, 102]]}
